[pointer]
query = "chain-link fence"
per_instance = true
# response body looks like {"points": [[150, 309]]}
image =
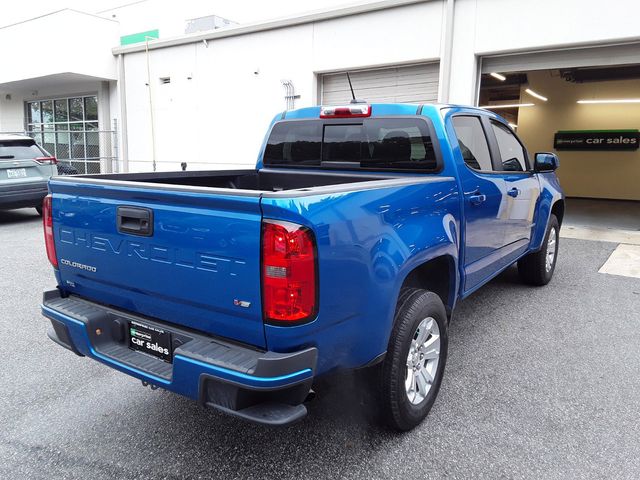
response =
{"points": [[79, 151]]}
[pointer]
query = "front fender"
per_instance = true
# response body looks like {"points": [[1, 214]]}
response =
{"points": [[550, 193]]}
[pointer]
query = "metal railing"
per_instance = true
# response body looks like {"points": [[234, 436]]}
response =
{"points": [[79, 151]]}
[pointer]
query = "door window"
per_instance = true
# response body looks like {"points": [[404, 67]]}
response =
{"points": [[512, 155], [473, 142]]}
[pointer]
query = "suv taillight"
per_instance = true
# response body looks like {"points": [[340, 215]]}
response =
{"points": [[47, 223], [46, 160], [289, 280]]}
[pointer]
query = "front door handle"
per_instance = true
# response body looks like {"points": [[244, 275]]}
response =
{"points": [[477, 198], [514, 192]]}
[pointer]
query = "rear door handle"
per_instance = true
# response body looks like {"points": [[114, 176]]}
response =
{"points": [[477, 198], [514, 192], [135, 221]]}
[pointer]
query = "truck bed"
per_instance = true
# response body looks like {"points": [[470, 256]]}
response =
{"points": [[183, 247], [259, 181]]}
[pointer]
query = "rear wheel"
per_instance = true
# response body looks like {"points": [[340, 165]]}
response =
{"points": [[413, 367], [537, 268]]}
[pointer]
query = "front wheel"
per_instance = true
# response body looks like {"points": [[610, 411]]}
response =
{"points": [[413, 367], [537, 268]]}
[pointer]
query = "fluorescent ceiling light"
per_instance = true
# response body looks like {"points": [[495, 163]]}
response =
{"points": [[502, 78], [619, 100], [537, 95], [509, 105]]}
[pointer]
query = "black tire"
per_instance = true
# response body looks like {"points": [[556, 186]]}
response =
{"points": [[533, 268], [39, 210], [396, 410]]}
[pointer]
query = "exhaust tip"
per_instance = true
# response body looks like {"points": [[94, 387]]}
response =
{"points": [[310, 396]]}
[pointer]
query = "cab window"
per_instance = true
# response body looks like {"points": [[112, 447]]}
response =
{"points": [[473, 142], [403, 144], [513, 157]]}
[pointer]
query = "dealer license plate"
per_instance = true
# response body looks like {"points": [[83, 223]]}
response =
{"points": [[16, 173], [150, 340]]}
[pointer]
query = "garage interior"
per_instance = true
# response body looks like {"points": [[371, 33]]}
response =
{"points": [[602, 185]]}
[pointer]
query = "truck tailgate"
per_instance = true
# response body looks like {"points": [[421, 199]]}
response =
{"points": [[196, 264]]}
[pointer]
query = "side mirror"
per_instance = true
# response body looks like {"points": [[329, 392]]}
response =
{"points": [[546, 162]]}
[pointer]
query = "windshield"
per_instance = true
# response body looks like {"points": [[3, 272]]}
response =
{"points": [[19, 150], [372, 143]]}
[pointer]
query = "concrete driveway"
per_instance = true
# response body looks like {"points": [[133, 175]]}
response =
{"points": [[540, 383]]}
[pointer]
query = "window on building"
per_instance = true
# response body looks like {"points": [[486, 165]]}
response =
{"points": [[68, 129], [473, 142]]}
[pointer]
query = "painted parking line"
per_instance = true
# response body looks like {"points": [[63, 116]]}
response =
{"points": [[625, 261], [599, 234]]}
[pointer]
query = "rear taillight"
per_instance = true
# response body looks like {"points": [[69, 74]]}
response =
{"points": [[46, 160], [289, 282], [47, 223]]}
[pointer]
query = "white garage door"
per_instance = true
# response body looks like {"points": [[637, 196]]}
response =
{"points": [[578, 57], [411, 84]]}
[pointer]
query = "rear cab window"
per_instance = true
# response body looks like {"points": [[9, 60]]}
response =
{"points": [[397, 144], [19, 150]]}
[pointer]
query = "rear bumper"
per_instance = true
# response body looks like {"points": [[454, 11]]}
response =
{"points": [[264, 387], [22, 195]]}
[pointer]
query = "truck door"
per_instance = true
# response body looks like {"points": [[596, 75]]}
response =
{"points": [[522, 189], [483, 191]]}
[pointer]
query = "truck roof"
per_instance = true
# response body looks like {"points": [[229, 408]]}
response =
{"points": [[386, 109]]}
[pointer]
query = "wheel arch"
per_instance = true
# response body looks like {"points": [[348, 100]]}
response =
{"points": [[558, 210], [437, 275]]}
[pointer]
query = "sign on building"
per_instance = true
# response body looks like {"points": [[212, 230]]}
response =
{"points": [[597, 140]]}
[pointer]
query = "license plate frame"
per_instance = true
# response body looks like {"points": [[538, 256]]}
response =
{"points": [[150, 340], [16, 173]]}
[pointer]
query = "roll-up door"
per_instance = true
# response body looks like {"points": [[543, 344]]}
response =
{"points": [[568, 58], [407, 83]]}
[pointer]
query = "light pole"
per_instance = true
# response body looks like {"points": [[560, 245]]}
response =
{"points": [[153, 133]]}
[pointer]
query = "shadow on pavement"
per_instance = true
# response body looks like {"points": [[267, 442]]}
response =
{"points": [[18, 216]]}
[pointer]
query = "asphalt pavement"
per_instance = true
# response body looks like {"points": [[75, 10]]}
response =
{"points": [[540, 383]]}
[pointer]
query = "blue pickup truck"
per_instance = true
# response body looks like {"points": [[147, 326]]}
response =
{"points": [[346, 247]]}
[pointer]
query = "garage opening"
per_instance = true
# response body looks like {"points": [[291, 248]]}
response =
{"points": [[585, 106], [404, 83]]}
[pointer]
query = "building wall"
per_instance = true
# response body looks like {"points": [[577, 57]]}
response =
{"points": [[223, 95], [11, 112], [614, 174], [489, 27], [64, 41]]}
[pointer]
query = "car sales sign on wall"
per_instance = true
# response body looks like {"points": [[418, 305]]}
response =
{"points": [[597, 140]]}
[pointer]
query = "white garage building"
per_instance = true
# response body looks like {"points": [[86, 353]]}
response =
{"points": [[206, 98]]}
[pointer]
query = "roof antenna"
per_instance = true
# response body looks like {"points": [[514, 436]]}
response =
{"points": [[353, 95]]}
